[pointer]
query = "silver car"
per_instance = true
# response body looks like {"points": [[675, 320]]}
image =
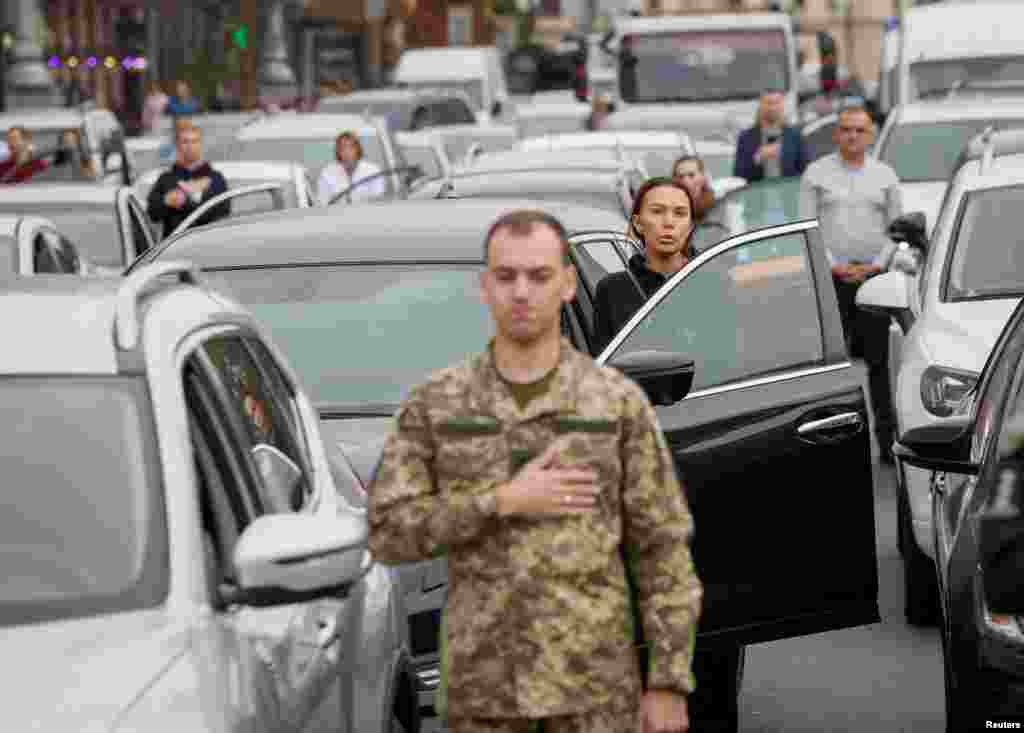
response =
{"points": [[178, 552]]}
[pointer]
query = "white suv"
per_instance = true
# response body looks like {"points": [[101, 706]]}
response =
{"points": [[178, 551], [950, 314]]}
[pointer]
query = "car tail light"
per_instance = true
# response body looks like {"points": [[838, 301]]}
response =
{"points": [[579, 81], [943, 389]]}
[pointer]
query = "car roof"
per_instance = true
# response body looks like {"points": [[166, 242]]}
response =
{"points": [[960, 30], [519, 160], [262, 170], [716, 21], [371, 232], [440, 63], [952, 110], [47, 118], [59, 193], [1007, 170], [307, 125], [603, 139]]}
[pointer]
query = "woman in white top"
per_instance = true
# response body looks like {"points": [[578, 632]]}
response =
{"points": [[348, 169]]}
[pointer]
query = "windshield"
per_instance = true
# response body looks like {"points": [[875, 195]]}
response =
{"points": [[82, 530], [313, 153], [472, 88], [758, 205], [931, 78], [928, 151], [355, 333], [92, 228], [987, 260], [692, 66]]}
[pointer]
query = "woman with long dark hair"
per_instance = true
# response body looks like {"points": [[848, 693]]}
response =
{"points": [[662, 218], [708, 230]]}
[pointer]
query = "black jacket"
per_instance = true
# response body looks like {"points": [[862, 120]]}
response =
{"points": [[159, 211], [794, 156], [617, 298]]}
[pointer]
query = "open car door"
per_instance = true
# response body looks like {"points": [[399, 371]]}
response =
{"points": [[772, 440], [137, 234], [257, 198]]}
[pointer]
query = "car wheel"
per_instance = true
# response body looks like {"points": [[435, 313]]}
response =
{"points": [[920, 587]]}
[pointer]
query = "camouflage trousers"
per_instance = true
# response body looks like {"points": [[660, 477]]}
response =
{"points": [[594, 721]]}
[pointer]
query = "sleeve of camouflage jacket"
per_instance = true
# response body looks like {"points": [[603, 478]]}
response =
{"points": [[658, 526], [409, 518]]}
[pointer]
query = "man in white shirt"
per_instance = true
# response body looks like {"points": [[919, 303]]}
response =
{"points": [[347, 170], [855, 198]]}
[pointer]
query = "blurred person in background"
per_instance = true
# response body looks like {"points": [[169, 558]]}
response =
{"points": [[183, 102], [348, 169], [154, 105], [21, 165], [708, 229], [189, 184], [770, 148]]}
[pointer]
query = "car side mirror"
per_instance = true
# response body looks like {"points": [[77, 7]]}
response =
{"points": [[940, 446], [911, 228], [294, 558], [886, 294], [665, 376]]}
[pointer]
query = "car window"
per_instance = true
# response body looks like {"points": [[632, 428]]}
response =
{"points": [[928, 151], [44, 258], [984, 261], [142, 228], [63, 251], [727, 315], [256, 390], [452, 112], [596, 259]]}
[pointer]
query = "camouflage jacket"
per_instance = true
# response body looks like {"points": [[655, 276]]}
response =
{"points": [[538, 619]]}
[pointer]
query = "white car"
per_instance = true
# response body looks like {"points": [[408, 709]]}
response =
{"points": [[656, 151], [921, 142], [950, 314], [31, 245], [475, 71], [178, 548]]}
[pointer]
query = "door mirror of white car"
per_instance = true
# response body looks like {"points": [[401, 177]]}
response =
{"points": [[292, 558], [885, 293], [666, 377], [911, 228], [114, 162]]}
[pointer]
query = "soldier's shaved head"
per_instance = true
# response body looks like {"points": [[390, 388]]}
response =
{"points": [[521, 223]]}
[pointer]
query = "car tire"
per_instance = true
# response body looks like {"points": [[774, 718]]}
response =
{"points": [[921, 589]]}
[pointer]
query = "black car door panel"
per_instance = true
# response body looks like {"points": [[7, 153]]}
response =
{"points": [[771, 444]]}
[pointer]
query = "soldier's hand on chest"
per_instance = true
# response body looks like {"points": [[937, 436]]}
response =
{"points": [[543, 488]]}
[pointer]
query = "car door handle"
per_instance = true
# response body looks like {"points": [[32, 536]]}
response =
{"points": [[851, 421]]}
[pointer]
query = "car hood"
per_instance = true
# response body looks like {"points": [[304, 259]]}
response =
{"points": [[962, 334], [362, 440], [83, 674], [697, 119], [925, 196]]}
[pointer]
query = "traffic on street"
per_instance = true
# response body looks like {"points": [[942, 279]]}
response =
{"points": [[605, 366]]}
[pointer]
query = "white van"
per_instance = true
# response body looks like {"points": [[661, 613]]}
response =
{"points": [[477, 71], [701, 73], [955, 48]]}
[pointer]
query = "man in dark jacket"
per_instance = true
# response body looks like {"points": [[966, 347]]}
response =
{"points": [[189, 183], [770, 149]]}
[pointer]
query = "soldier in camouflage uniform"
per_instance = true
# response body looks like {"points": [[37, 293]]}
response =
{"points": [[532, 468]]}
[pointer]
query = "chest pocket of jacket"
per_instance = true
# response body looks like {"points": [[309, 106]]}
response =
{"points": [[591, 442], [470, 447]]}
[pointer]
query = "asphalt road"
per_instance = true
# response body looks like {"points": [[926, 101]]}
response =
{"points": [[884, 678]]}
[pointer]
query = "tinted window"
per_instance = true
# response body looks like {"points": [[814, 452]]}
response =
{"points": [[452, 112], [93, 228], [44, 258], [727, 314], [986, 260], [703, 65], [64, 252], [928, 151], [932, 78], [82, 523], [349, 330]]}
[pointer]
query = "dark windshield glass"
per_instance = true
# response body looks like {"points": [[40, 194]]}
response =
{"points": [[987, 259], [928, 151], [92, 228], [703, 65], [356, 333], [931, 78], [313, 153], [82, 529]]}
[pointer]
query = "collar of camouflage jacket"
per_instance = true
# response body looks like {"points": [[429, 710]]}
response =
{"points": [[496, 398]]}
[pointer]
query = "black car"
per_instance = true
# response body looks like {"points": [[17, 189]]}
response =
{"points": [[404, 109], [366, 310], [983, 643]]}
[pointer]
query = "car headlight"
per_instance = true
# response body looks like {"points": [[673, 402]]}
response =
{"points": [[944, 388]]}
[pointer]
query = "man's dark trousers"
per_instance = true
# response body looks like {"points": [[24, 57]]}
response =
{"points": [[867, 337]]}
